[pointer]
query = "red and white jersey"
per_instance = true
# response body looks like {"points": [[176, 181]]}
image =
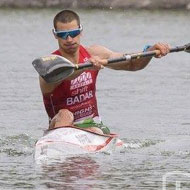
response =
{"points": [[77, 95]]}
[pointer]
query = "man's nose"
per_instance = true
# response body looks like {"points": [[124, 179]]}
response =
{"points": [[69, 38]]}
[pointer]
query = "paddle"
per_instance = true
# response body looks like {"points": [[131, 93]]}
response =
{"points": [[54, 68]]}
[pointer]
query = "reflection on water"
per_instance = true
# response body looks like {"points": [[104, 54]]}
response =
{"points": [[149, 108], [69, 175]]}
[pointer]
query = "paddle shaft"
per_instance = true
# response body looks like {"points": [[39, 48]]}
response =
{"points": [[135, 56], [56, 68]]}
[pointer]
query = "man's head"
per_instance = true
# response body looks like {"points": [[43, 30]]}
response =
{"points": [[66, 16], [67, 30]]}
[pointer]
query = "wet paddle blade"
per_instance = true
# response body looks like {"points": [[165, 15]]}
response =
{"points": [[58, 75], [187, 48], [53, 68]]}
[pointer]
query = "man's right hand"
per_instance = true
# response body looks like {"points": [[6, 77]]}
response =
{"points": [[98, 63]]}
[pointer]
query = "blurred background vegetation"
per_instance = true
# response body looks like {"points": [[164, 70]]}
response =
{"points": [[106, 4]]}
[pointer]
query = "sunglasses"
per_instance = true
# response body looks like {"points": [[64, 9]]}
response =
{"points": [[65, 33]]}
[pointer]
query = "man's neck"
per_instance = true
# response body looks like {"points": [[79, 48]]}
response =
{"points": [[73, 57]]}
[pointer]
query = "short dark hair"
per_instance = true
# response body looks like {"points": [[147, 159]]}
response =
{"points": [[66, 16]]}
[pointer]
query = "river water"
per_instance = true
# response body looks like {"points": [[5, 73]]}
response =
{"points": [[149, 108]]}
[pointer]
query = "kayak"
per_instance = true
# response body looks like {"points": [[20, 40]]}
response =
{"points": [[67, 141]]}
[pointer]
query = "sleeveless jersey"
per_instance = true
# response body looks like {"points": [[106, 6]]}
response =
{"points": [[77, 95]]}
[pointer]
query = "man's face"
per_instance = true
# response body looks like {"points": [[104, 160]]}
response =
{"points": [[69, 45]]}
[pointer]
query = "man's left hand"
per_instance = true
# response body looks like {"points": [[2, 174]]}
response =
{"points": [[164, 49]]}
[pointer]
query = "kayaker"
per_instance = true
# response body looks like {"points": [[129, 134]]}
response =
{"points": [[73, 101]]}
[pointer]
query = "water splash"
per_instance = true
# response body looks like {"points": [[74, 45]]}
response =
{"points": [[137, 144], [17, 145]]}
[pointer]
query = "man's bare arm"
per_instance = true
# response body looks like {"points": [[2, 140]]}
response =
{"points": [[104, 53], [133, 65]]}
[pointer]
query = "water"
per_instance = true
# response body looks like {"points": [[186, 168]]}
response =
{"points": [[148, 108]]}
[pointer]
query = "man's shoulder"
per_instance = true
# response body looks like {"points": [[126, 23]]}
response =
{"points": [[56, 52], [98, 50], [94, 47]]}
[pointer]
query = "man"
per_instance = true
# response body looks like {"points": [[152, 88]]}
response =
{"points": [[73, 100]]}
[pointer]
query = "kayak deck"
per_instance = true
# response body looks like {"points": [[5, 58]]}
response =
{"points": [[66, 141]]}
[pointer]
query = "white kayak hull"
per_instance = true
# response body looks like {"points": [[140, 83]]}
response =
{"points": [[68, 141]]}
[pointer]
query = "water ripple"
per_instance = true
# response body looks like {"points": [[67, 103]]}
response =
{"points": [[17, 145]]}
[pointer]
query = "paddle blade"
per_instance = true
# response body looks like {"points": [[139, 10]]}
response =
{"points": [[187, 48], [53, 68]]}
